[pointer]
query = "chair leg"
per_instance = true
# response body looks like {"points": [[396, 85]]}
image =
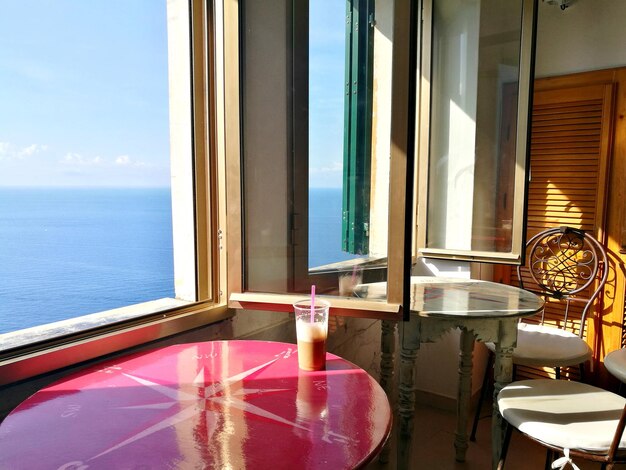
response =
{"points": [[505, 446], [483, 394], [549, 459], [557, 373]]}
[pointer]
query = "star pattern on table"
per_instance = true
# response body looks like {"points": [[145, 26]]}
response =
{"points": [[194, 405]]}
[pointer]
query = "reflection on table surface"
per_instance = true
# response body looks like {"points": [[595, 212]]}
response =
{"points": [[444, 297]]}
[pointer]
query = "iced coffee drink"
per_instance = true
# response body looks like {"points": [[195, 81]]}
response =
{"points": [[311, 345], [311, 332]]}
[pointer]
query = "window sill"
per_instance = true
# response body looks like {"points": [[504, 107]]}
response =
{"points": [[344, 306], [50, 331], [33, 351], [349, 265]]}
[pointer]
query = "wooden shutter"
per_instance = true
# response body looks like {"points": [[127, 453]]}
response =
{"points": [[357, 143], [570, 136], [569, 158]]}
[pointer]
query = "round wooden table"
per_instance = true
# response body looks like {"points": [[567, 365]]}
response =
{"points": [[220, 404]]}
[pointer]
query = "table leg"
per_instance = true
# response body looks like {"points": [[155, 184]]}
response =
{"points": [[503, 375], [387, 349], [464, 393], [409, 342]]}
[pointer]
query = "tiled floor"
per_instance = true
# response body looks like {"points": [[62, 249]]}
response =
{"points": [[433, 447]]}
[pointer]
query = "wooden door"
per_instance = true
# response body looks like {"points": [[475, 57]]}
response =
{"points": [[571, 141]]}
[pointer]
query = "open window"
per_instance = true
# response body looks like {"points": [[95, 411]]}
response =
{"points": [[322, 103], [477, 76], [314, 167]]}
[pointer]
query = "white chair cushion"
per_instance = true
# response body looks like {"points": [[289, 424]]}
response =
{"points": [[571, 415], [547, 346]]}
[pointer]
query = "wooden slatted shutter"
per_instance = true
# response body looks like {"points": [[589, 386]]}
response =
{"points": [[569, 158]]}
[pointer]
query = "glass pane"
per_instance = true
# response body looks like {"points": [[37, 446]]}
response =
{"points": [[327, 69], [302, 64], [475, 69], [85, 207]]}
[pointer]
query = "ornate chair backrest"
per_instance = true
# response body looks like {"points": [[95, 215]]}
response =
{"points": [[565, 263]]}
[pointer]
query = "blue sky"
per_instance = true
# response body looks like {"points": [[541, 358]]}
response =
{"points": [[83, 93], [326, 75]]}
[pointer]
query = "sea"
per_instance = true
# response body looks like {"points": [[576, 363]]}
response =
{"points": [[67, 252]]}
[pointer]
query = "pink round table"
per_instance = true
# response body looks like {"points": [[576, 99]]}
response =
{"points": [[220, 404]]}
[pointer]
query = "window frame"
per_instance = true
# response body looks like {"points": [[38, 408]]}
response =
{"points": [[199, 208], [522, 151], [401, 177], [409, 141]]}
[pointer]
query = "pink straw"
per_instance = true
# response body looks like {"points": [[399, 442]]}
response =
{"points": [[312, 303]]}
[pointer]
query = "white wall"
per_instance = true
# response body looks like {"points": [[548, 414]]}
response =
{"points": [[589, 35]]}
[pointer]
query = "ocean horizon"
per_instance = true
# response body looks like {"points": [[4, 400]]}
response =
{"points": [[67, 252]]}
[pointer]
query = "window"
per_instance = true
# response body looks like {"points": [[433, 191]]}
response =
{"points": [[139, 85], [85, 149], [474, 74], [297, 120], [474, 150]]}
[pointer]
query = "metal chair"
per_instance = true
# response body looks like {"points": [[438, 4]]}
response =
{"points": [[563, 264], [573, 418]]}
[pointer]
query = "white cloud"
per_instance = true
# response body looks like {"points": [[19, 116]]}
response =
{"points": [[327, 176], [9, 151], [32, 149], [123, 160], [334, 167], [77, 159], [4, 148], [72, 158]]}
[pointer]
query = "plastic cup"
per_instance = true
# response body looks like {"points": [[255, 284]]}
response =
{"points": [[311, 332]]}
